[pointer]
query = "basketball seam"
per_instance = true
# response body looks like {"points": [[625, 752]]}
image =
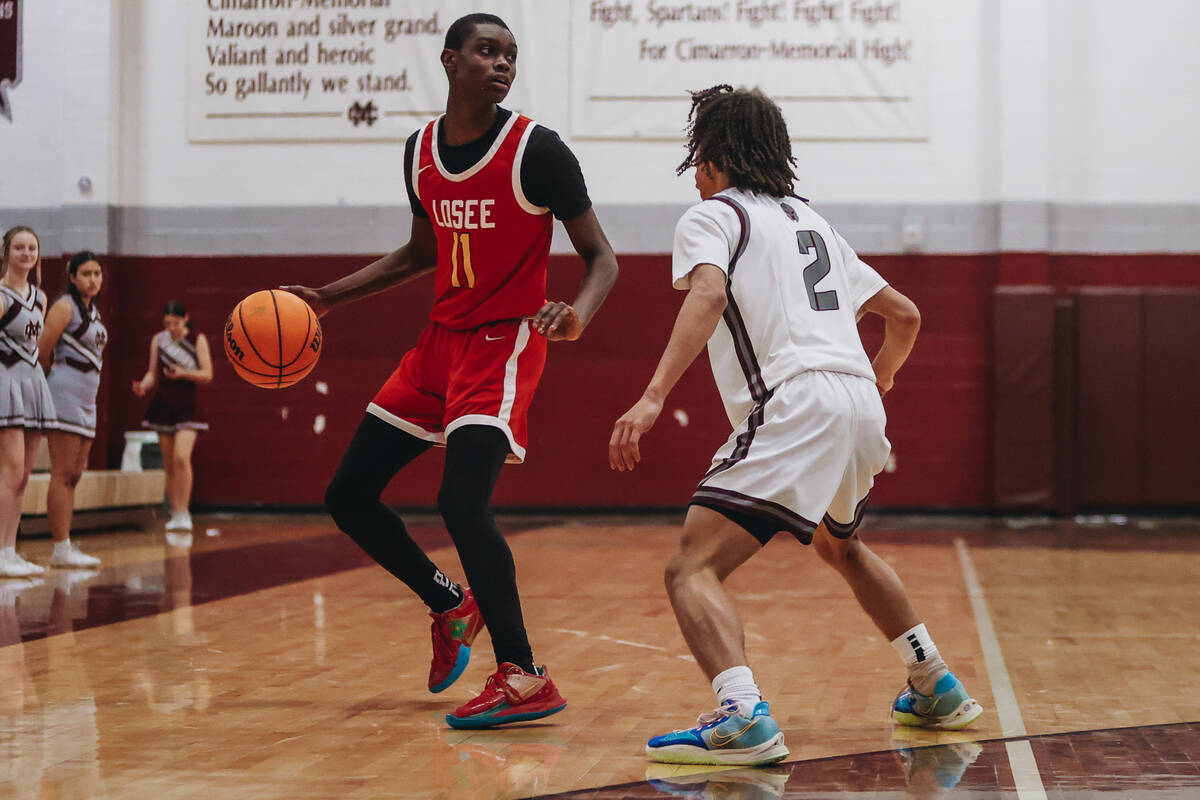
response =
{"points": [[278, 335], [308, 321], [246, 334]]}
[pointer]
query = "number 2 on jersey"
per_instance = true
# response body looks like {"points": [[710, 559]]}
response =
{"points": [[463, 241], [816, 271]]}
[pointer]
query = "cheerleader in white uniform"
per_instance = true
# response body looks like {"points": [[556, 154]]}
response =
{"points": [[26, 408], [72, 352]]}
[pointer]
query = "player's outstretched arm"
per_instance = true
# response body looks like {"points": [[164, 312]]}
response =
{"points": [[412, 260], [558, 321], [697, 319], [902, 321]]}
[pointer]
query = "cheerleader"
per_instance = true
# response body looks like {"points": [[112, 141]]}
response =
{"points": [[26, 408], [72, 353], [179, 362]]}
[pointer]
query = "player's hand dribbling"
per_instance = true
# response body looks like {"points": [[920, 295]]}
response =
{"points": [[558, 322], [623, 452], [311, 296]]}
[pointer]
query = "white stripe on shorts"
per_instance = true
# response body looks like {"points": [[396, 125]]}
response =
{"points": [[510, 370]]}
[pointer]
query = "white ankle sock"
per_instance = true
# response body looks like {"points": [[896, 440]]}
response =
{"points": [[737, 684], [920, 654], [63, 547]]}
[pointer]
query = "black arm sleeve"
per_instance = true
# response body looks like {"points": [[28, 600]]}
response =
{"points": [[410, 152], [550, 175]]}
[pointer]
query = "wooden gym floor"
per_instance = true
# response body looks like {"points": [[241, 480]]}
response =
{"points": [[269, 658]]}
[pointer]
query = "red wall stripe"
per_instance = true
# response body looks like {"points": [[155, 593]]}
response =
{"points": [[263, 449]]}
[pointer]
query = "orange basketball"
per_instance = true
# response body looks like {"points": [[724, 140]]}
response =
{"points": [[273, 339]]}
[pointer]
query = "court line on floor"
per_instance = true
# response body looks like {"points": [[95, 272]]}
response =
{"points": [[1011, 723], [625, 642], [1026, 777]]}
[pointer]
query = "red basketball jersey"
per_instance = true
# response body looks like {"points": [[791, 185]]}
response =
{"points": [[493, 244]]}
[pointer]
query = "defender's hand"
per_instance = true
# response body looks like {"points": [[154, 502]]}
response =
{"points": [[558, 322], [310, 296], [623, 451]]}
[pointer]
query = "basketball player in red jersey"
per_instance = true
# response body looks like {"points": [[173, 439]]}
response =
{"points": [[483, 183]]}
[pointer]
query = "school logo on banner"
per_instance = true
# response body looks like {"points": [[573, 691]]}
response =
{"points": [[10, 51]]}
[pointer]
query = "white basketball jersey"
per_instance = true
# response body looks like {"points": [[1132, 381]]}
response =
{"points": [[794, 287]]}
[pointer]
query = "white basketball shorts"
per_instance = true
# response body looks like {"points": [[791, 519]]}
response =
{"points": [[809, 453]]}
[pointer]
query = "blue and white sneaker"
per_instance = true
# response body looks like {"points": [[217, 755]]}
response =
{"points": [[723, 736], [949, 708]]}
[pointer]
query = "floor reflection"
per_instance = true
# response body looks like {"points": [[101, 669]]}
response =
{"points": [[49, 737], [764, 783], [916, 771], [158, 574], [1161, 762]]}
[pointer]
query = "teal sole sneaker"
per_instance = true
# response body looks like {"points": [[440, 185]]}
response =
{"points": [[724, 736], [949, 708]]}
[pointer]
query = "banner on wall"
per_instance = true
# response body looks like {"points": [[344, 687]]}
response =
{"points": [[327, 70], [10, 52], [839, 69]]}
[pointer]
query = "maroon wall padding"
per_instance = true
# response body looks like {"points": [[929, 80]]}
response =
{"points": [[1023, 398], [1110, 395], [1172, 427], [1065, 421]]}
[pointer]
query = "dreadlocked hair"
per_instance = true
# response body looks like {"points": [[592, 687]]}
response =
{"points": [[742, 133]]}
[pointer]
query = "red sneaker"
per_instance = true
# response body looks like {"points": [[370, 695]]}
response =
{"points": [[510, 695], [453, 632]]}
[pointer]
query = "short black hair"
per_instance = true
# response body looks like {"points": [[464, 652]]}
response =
{"points": [[742, 133], [462, 28]]}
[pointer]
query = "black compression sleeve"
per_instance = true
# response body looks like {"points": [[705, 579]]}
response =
{"points": [[410, 152], [551, 177]]}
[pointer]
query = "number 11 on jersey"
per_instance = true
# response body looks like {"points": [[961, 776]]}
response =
{"points": [[461, 241]]}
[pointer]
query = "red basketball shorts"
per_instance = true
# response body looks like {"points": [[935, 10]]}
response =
{"points": [[482, 376]]}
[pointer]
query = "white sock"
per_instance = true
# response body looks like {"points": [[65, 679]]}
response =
{"points": [[920, 655], [737, 684], [8, 551], [62, 548]]}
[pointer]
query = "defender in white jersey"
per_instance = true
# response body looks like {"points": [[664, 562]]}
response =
{"points": [[776, 293]]}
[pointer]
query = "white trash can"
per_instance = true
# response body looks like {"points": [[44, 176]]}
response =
{"points": [[131, 457]]}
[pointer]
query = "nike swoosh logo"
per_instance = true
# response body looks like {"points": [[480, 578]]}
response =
{"points": [[718, 739], [492, 338]]}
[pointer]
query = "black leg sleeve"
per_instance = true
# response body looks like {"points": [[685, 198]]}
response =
{"points": [[474, 456], [375, 455]]}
